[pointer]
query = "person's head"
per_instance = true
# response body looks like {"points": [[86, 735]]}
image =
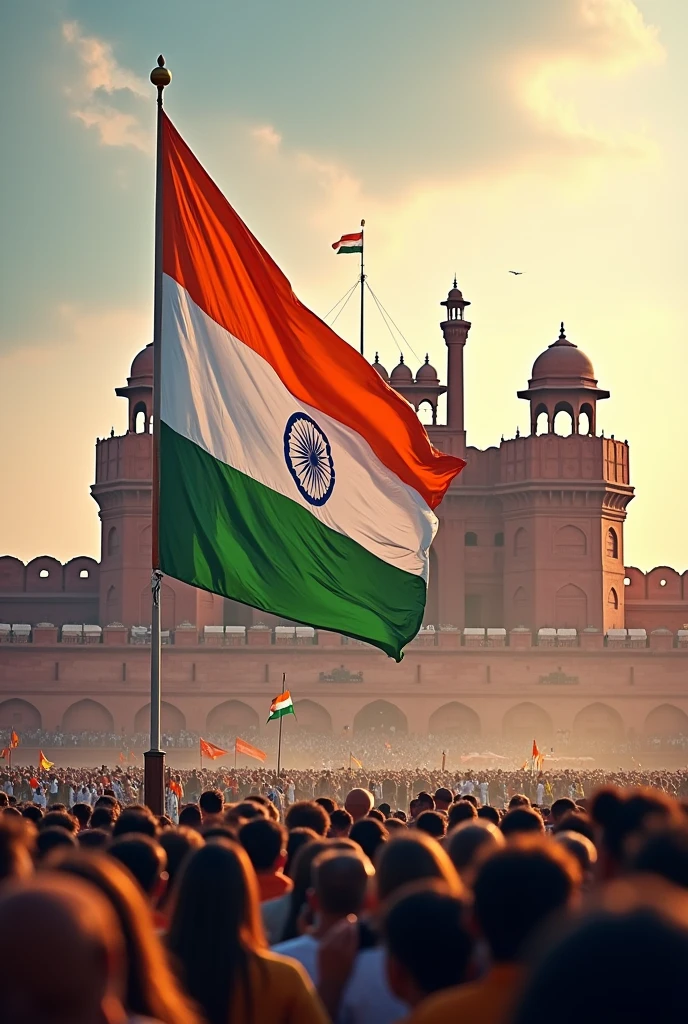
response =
{"points": [[59, 819], [216, 926], [266, 805], [301, 875], [93, 839], [433, 823], [409, 857], [135, 820], [235, 815], [82, 812], [443, 799], [177, 844], [427, 941], [190, 816], [79, 928], [32, 813], [385, 810], [624, 817], [469, 843], [519, 800], [50, 839], [103, 817], [576, 821], [665, 853], [340, 823], [308, 814], [395, 825], [517, 888], [145, 860], [560, 808], [297, 838], [359, 803], [580, 847], [521, 820], [150, 986], [488, 813], [211, 804], [370, 835], [460, 811], [376, 814], [265, 842], [17, 842], [327, 803], [340, 881], [631, 967]]}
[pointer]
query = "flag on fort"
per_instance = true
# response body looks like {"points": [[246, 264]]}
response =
{"points": [[210, 751], [242, 747], [43, 762], [281, 706], [291, 477], [349, 243], [14, 740]]}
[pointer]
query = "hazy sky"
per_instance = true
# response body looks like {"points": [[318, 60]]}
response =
{"points": [[474, 136]]}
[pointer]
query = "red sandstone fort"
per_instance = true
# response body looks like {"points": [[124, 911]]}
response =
{"points": [[536, 624]]}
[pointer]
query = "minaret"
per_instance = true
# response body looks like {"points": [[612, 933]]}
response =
{"points": [[455, 330]]}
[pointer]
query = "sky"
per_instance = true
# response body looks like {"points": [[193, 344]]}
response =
{"points": [[473, 137]]}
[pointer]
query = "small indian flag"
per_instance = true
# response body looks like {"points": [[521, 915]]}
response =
{"points": [[281, 706], [349, 243]]}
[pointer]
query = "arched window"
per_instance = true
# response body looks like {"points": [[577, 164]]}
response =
{"points": [[140, 418], [112, 541], [563, 419], [612, 543], [499, 540], [541, 420], [521, 542], [44, 574], [613, 599], [570, 542], [471, 540], [426, 413], [83, 575], [585, 419]]}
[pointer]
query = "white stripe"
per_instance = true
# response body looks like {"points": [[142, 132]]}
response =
{"points": [[223, 396], [281, 704], [348, 245]]}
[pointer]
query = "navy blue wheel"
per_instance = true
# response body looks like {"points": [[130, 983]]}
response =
{"points": [[308, 456]]}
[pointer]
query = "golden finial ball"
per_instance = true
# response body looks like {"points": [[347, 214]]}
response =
{"points": [[160, 76]]}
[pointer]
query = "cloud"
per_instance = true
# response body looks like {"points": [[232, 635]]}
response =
{"points": [[102, 76], [267, 136], [599, 40]]}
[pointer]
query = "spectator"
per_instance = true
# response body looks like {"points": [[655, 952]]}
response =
{"points": [[516, 890], [370, 835], [469, 843], [308, 814], [217, 941], [520, 820], [462, 810], [359, 803], [297, 838], [340, 823], [211, 804], [265, 844], [433, 823]]}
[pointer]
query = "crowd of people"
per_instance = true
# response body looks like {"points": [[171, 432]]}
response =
{"points": [[378, 748], [352, 897]]}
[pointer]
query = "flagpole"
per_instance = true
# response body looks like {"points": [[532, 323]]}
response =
{"points": [[362, 285], [235, 752], [154, 760], [279, 748]]}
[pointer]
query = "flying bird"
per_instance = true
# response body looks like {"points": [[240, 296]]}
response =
{"points": [[516, 273]]}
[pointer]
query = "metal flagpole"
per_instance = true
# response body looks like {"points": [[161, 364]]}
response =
{"points": [[362, 285], [154, 759], [279, 750]]}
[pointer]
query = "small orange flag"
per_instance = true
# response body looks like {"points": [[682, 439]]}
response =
{"points": [[5, 753], [122, 759], [536, 752], [210, 751], [14, 740], [132, 757], [43, 762], [242, 747]]}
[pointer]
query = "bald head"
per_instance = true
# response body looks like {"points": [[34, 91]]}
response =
{"points": [[74, 922], [358, 803], [340, 882]]}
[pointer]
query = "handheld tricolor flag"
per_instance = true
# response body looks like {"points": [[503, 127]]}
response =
{"points": [[349, 243], [281, 706], [281, 450], [210, 751], [43, 762], [248, 750]]}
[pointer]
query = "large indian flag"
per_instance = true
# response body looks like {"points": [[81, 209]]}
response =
{"points": [[292, 478]]}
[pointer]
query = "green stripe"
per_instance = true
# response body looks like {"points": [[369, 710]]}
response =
{"points": [[224, 532], [281, 712], [349, 248]]}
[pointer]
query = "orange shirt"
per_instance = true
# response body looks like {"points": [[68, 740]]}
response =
{"points": [[273, 884], [281, 993], [490, 1000]]}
